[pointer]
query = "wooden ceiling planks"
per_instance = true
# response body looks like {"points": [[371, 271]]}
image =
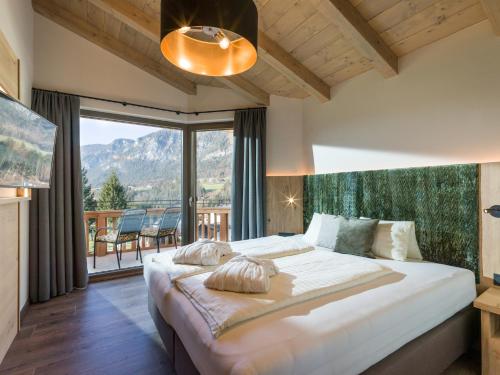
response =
{"points": [[310, 36]]}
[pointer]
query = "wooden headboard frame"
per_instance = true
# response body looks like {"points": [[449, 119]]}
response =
{"points": [[489, 226]]}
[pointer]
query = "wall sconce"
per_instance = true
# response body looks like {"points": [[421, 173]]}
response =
{"points": [[493, 211], [290, 201]]}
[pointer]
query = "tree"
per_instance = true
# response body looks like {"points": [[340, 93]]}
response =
{"points": [[89, 201], [113, 195]]}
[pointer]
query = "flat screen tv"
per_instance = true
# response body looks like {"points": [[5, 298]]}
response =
{"points": [[26, 146]]}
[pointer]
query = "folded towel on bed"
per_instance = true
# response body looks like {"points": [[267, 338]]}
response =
{"points": [[243, 275], [204, 253]]}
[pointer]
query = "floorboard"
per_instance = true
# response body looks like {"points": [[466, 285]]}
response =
{"points": [[103, 330], [106, 330]]}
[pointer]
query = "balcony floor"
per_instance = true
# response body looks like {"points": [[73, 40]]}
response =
{"points": [[109, 263]]}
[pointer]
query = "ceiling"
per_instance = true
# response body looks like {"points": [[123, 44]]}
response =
{"points": [[305, 46]]}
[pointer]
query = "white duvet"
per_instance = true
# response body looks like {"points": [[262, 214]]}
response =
{"points": [[341, 333], [267, 247], [301, 278]]}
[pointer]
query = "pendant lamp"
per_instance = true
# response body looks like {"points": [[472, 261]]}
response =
{"points": [[210, 37]]}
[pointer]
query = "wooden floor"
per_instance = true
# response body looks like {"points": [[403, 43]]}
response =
{"points": [[106, 330]]}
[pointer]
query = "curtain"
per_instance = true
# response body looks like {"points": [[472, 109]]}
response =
{"points": [[248, 195], [57, 253]]}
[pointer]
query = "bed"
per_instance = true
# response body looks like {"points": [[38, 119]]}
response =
{"points": [[386, 326]]}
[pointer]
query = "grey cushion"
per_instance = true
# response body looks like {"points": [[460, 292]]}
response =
{"points": [[355, 236]]}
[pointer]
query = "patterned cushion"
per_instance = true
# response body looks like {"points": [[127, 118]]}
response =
{"points": [[112, 237], [153, 232], [149, 231], [108, 237]]}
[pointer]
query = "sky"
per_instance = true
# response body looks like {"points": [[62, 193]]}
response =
{"points": [[105, 132]]}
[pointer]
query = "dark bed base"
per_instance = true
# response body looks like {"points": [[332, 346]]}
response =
{"points": [[429, 354]]}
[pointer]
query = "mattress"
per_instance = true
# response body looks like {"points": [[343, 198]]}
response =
{"points": [[342, 333]]}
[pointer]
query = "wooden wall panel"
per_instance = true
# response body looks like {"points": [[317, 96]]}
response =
{"points": [[9, 68], [282, 216], [490, 228], [9, 270]]}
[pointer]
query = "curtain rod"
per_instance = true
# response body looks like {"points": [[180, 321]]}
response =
{"points": [[124, 103]]}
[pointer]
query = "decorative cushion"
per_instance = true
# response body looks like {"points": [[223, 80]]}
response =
{"points": [[355, 236], [108, 237], [154, 231], [149, 231], [328, 231], [112, 237], [396, 240], [312, 233]]}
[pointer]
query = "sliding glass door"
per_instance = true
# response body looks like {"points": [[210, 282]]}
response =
{"points": [[211, 174]]}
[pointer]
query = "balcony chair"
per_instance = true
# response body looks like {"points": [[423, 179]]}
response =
{"points": [[166, 227], [129, 228]]}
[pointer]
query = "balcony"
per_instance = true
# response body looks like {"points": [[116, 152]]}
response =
{"points": [[212, 222]]}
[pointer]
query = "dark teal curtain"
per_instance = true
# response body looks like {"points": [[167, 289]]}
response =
{"points": [[57, 254], [248, 199]]}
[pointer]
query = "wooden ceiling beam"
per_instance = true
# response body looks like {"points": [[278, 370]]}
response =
{"points": [[272, 53], [369, 43], [131, 16], [492, 10], [246, 89], [53, 11], [141, 22]]}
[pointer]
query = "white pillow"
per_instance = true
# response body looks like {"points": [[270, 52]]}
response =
{"points": [[414, 250], [312, 233], [396, 240], [392, 240], [329, 230]]}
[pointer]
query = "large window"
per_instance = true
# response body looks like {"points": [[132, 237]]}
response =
{"points": [[130, 163]]}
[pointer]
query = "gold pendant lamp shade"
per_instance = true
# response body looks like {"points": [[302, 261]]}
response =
{"points": [[210, 37]]}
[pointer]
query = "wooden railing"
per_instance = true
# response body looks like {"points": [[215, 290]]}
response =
{"points": [[212, 223]]}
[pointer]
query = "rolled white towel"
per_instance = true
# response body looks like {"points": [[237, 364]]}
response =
{"points": [[243, 274], [204, 253]]}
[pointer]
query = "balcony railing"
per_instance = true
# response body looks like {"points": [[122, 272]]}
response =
{"points": [[211, 223]]}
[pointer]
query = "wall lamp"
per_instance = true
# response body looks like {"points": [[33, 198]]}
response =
{"points": [[493, 211]]}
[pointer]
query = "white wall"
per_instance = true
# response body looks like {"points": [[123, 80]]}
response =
{"points": [[442, 108], [284, 144], [16, 23]]}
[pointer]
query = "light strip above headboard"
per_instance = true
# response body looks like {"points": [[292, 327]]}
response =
{"points": [[443, 202]]}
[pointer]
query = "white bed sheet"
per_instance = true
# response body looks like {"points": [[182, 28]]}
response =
{"points": [[343, 333]]}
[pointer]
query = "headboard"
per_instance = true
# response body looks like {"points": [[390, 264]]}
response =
{"points": [[443, 202]]}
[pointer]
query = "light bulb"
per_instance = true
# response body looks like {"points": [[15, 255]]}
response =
{"points": [[185, 63], [224, 43], [184, 29]]}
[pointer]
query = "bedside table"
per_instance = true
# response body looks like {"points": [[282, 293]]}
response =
{"points": [[489, 304], [286, 234]]}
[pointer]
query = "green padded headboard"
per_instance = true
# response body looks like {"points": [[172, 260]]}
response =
{"points": [[443, 202]]}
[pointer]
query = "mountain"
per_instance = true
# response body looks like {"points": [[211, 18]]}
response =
{"points": [[151, 166]]}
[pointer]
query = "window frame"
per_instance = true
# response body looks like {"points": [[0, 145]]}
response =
{"points": [[188, 155]]}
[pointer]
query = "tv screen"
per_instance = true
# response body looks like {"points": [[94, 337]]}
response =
{"points": [[26, 146]]}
